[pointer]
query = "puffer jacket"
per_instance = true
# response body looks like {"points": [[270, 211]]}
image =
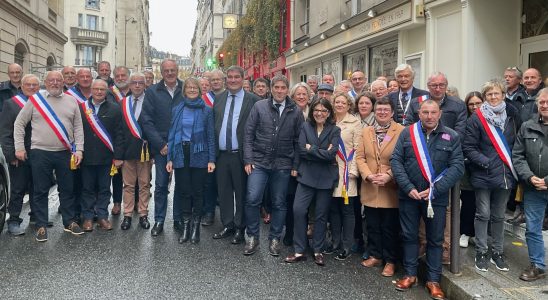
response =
{"points": [[530, 153]]}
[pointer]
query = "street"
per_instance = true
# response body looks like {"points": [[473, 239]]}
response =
{"points": [[132, 264]]}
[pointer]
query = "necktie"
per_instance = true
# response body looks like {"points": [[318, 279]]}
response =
{"points": [[404, 97], [229, 124], [134, 107], [278, 105]]}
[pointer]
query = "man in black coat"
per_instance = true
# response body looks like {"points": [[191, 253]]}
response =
{"points": [[11, 87], [102, 121], [20, 171], [271, 157], [160, 99], [401, 99], [231, 109]]}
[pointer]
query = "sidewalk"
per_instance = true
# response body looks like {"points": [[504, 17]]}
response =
{"points": [[495, 284]]}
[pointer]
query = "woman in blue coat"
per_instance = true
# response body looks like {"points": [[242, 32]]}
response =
{"points": [[191, 153]]}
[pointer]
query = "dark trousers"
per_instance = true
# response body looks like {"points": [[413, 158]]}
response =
{"points": [[20, 181], [342, 221], [231, 183], [95, 191], [411, 211], [290, 199], [76, 189], [467, 212], [358, 222], [210, 194], [189, 189], [43, 163], [117, 187], [383, 229], [303, 198], [160, 188]]}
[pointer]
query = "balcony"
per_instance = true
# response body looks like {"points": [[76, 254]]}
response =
{"points": [[88, 37]]}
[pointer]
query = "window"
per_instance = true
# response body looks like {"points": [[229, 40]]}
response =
{"points": [[92, 22], [383, 59], [534, 18], [94, 4], [19, 54], [80, 20], [88, 53], [352, 62]]}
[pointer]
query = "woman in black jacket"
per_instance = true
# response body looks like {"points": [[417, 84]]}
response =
{"points": [[318, 144], [490, 135]]}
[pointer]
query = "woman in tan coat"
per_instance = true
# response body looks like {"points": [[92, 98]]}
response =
{"points": [[379, 192], [342, 209]]}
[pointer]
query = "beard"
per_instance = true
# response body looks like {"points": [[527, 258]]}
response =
{"points": [[122, 85], [56, 92]]}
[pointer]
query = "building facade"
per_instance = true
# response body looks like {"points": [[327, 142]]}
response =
{"points": [[133, 34], [31, 35], [469, 40]]}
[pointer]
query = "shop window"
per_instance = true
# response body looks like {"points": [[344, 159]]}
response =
{"points": [[383, 60], [534, 18], [352, 62]]}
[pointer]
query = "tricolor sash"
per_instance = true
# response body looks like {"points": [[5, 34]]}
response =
{"points": [[341, 152], [422, 98], [133, 125], [209, 98], [20, 99], [353, 94], [53, 121], [76, 94], [117, 94], [425, 164], [496, 136], [96, 125]]}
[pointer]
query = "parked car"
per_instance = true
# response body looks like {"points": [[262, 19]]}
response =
{"points": [[4, 189]]}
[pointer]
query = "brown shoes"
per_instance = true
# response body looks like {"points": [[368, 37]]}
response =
{"points": [[116, 208], [88, 225], [293, 258], [435, 290], [388, 270], [406, 283], [104, 224], [532, 273], [319, 259], [371, 262]]}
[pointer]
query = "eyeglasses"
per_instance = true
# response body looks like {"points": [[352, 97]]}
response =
{"points": [[137, 82], [383, 110], [99, 89], [323, 111], [55, 80], [493, 94], [437, 86]]}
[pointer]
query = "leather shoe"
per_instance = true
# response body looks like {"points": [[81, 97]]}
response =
{"points": [[406, 283], [88, 225], [226, 232], [157, 229], [143, 221], [208, 219], [104, 224], [435, 290], [178, 226], [274, 247], [251, 246], [319, 259], [293, 258], [371, 262], [388, 270], [267, 218], [239, 237], [126, 223], [519, 219], [532, 273], [116, 208]]}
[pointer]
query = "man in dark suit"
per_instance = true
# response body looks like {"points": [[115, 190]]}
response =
{"points": [[402, 98], [160, 98], [11, 87], [231, 108]]}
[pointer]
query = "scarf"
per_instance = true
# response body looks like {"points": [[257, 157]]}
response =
{"points": [[380, 132], [198, 134], [495, 115], [369, 120]]}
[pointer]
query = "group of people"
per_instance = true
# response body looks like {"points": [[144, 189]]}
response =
{"points": [[315, 157]]}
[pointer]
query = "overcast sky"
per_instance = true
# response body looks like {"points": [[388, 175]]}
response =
{"points": [[172, 25]]}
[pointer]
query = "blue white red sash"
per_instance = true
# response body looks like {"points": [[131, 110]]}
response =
{"points": [[131, 121], [353, 94], [20, 99], [496, 136], [53, 121], [76, 94], [209, 98], [422, 98], [117, 94], [96, 125], [341, 152], [425, 163]]}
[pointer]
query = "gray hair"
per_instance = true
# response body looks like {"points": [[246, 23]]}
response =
{"points": [[236, 69], [516, 71], [27, 77], [543, 91], [437, 74], [299, 85], [120, 68], [379, 81], [279, 78], [219, 72], [99, 80], [136, 74], [404, 67]]}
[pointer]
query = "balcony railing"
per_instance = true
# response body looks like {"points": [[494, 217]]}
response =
{"points": [[88, 37]]}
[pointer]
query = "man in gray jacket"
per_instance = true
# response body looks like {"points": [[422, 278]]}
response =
{"points": [[530, 147]]}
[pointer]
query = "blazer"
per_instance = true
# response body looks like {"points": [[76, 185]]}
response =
{"points": [[219, 112], [317, 165], [372, 160], [394, 98], [8, 115]]}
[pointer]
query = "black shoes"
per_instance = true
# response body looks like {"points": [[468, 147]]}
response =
{"points": [[185, 232], [208, 219], [178, 226], [274, 247], [157, 229], [251, 246], [343, 255], [195, 235], [126, 223], [226, 232], [143, 221], [239, 237]]}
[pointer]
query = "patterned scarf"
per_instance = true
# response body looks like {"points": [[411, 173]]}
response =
{"points": [[380, 132], [495, 115], [369, 120]]}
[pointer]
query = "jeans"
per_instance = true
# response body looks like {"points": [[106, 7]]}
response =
{"points": [[160, 188], [342, 222], [411, 212], [256, 183], [490, 207], [95, 191], [535, 205], [303, 197]]}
